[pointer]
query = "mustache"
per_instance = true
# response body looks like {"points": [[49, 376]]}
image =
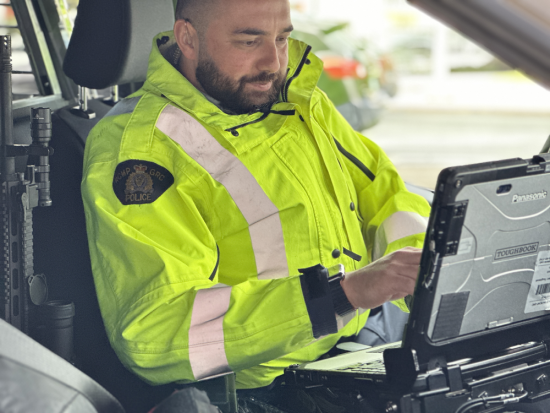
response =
{"points": [[262, 77]]}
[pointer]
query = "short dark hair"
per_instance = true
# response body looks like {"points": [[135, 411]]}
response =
{"points": [[181, 7], [197, 12]]}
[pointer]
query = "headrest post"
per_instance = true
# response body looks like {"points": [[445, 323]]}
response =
{"points": [[83, 98], [82, 108], [114, 94]]}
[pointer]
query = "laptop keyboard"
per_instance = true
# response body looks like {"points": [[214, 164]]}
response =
{"points": [[372, 366]]}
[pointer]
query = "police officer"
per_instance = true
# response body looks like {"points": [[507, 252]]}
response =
{"points": [[216, 183]]}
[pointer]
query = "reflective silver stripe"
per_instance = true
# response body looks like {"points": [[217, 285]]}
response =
{"points": [[125, 106], [261, 214], [399, 225], [206, 340]]}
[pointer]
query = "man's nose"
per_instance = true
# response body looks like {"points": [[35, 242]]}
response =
{"points": [[270, 59]]}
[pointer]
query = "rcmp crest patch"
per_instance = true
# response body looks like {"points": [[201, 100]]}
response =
{"points": [[140, 182]]}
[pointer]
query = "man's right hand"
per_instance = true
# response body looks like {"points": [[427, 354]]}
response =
{"points": [[386, 279]]}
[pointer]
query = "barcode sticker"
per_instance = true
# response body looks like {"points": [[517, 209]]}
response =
{"points": [[543, 289], [539, 293]]}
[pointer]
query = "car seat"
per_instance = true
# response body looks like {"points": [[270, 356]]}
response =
{"points": [[109, 46], [33, 379]]}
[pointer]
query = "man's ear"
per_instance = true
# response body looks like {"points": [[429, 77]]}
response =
{"points": [[187, 38]]}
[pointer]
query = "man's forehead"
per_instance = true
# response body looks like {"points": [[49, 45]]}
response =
{"points": [[253, 16], [255, 31]]}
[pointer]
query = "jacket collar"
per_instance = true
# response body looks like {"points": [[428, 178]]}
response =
{"points": [[165, 80]]}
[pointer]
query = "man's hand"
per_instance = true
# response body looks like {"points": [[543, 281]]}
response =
{"points": [[386, 279]]}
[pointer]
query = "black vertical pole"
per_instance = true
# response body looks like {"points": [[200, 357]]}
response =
{"points": [[6, 121], [13, 294]]}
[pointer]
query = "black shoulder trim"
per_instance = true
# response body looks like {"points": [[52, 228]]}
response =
{"points": [[316, 290], [211, 278], [355, 161]]}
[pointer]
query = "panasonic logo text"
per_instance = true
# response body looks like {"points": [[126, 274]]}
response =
{"points": [[515, 251], [529, 197]]}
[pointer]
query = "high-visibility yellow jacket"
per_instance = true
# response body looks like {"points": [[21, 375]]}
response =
{"points": [[198, 222]]}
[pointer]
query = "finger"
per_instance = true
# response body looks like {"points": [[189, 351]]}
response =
{"points": [[413, 256], [408, 255], [399, 295], [405, 288], [404, 283], [407, 271]]}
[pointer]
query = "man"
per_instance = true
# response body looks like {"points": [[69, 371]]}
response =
{"points": [[210, 188]]}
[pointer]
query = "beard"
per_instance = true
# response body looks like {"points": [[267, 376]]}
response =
{"points": [[231, 93]]}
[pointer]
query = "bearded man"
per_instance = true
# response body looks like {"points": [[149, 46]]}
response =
{"points": [[209, 190]]}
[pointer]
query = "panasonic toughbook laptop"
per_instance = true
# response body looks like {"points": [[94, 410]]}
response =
{"points": [[480, 316]]}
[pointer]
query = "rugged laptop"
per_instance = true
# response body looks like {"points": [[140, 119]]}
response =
{"points": [[480, 316]]}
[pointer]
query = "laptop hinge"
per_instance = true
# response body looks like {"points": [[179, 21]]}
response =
{"points": [[438, 375], [401, 367], [454, 378]]}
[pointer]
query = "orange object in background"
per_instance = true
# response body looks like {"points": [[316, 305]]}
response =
{"points": [[338, 67]]}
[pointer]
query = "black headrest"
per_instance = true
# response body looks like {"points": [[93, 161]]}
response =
{"points": [[112, 39]]}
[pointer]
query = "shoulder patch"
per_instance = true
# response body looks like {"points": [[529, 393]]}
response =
{"points": [[140, 182]]}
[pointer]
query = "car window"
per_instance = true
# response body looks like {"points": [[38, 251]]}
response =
{"points": [[67, 13], [39, 34], [24, 84], [311, 39]]}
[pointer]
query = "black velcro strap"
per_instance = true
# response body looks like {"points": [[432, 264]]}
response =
{"points": [[318, 300], [139, 182], [449, 317]]}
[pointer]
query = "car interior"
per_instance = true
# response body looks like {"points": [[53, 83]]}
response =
{"points": [[109, 50], [110, 46]]}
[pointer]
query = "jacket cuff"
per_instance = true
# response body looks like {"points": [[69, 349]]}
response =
{"points": [[316, 290]]}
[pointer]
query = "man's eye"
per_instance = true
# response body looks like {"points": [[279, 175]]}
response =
{"points": [[249, 43], [282, 39]]}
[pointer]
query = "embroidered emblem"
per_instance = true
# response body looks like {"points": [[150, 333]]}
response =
{"points": [[140, 182]]}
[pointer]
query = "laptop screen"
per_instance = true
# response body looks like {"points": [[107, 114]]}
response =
{"points": [[485, 268]]}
